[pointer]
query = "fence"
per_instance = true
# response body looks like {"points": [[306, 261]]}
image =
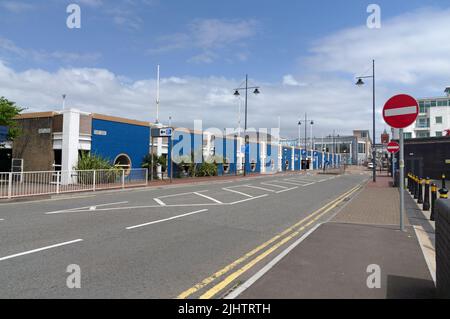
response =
{"points": [[13, 185]]}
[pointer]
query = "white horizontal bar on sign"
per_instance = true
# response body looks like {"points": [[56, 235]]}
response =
{"points": [[401, 111]]}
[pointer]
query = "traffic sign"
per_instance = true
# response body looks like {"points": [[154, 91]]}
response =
{"points": [[393, 147], [400, 111]]}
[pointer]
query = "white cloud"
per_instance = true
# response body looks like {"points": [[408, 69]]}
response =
{"points": [[16, 7], [185, 98], [289, 79], [10, 50], [209, 36], [410, 49]]}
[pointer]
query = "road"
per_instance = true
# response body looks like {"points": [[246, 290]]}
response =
{"points": [[181, 241]]}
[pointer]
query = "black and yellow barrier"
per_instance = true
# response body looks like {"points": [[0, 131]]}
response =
{"points": [[416, 187], [433, 200], [443, 192], [420, 195], [426, 198]]}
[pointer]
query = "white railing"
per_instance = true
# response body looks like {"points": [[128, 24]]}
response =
{"points": [[25, 184]]}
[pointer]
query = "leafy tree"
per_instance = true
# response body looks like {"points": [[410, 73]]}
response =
{"points": [[157, 160], [8, 111]]}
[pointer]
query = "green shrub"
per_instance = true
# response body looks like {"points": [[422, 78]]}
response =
{"points": [[206, 169], [89, 161]]}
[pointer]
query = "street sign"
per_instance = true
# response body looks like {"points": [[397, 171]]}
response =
{"points": [[400, 111], [393, 147], [162, 132]]}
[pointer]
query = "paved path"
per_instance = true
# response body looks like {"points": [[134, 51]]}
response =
{"points": [[333, 261], [190, 240]]}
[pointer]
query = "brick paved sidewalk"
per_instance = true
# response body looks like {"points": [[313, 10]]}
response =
{"points": [[332, 262]]}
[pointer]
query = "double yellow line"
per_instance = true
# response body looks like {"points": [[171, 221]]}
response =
{"points": [[294, 232]]}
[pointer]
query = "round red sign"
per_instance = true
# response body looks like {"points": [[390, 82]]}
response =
{"points": [[393, 147], [400, 111]]}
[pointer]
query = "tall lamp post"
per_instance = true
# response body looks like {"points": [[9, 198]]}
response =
{"points": [[236, 93], [305, 121], [360, 82]]}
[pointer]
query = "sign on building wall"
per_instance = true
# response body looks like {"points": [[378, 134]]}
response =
{"points": [[100, 132]]}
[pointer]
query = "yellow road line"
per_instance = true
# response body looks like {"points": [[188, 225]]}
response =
{"points": [[220, 286], [234, 264]]}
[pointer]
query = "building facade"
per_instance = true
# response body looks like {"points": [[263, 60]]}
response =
{"points": [[55, 140], [433, 119]]}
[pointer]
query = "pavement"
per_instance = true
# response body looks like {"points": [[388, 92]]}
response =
{"points": [[337, 258], [190, 240]]}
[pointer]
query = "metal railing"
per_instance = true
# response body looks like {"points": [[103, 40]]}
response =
{"points": [[23, 184]]}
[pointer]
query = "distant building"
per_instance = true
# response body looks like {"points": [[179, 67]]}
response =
{"points": [[54, 140], [355, 149], [433, 119]]}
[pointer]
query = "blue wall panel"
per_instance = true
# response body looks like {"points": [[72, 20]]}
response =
{"points": [[286, 161], [120, 138], [297, 159]]}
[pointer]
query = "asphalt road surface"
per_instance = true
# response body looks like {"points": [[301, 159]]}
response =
{"points": [[183, 241]]}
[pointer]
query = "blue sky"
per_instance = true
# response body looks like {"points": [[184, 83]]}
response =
{"points": [[298, 51]]}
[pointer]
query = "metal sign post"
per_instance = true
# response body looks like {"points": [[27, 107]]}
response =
{"points": [[399, 112], [402, 181]]}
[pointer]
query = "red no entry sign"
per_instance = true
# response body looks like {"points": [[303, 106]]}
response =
{"points": [[393, 147], [400, 111]]}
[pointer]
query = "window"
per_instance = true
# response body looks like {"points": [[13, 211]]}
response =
{"points": [[438, 119], [422, 123], [407, 135], [438, 134], [442, 103], [422, 109], [361, 148], [433, 103], [423, 134]]}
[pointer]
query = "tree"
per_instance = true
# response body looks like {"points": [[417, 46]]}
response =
{"points": [[8, 111]]}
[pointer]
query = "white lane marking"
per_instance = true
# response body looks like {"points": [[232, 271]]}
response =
{"points": [[248, 199], [400, 111], [287, 190], [1, 219], [160, 202], [261, 188], [208, 197], [269, 266], [304, 185], [237, 192], [180, 194], [167, 219], [277, 186], [291, 183], [74, 210], [40, 249], [302, 180]]}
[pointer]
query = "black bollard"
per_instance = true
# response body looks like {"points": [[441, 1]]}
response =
{"points": [[443, 192], [433, 200], [420, 199], [408, 185], [426, 199], [416, 187]]}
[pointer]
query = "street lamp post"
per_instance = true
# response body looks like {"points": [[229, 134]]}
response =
{"points": [[300, 122], [359, 83], [236, 93]]}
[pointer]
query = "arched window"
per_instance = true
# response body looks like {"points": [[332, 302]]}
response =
{"points": [[123, 161]]}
